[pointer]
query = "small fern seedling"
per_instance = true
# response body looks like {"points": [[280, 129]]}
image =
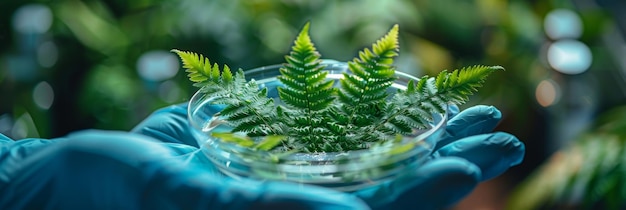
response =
{"points": [[317, 116]]}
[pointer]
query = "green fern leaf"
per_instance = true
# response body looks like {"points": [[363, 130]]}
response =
{"points": [[306, 92], [227, 76], [248, 109], [414, 106], [363, 91], [199, 68], [460, 84], [371, 75], [269, 142], [306, 87], [234, 138], [251, 111]]}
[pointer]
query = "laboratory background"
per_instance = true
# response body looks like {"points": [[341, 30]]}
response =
{"points": [[69, 65]]}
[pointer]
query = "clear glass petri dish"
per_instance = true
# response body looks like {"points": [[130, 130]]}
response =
{"points": [[344, 171]]}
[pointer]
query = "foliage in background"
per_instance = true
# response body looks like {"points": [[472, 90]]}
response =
{"points": [[589, 174]]}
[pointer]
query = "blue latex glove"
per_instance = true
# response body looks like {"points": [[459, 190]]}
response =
{"points": [[158, 166], [466, 155]]}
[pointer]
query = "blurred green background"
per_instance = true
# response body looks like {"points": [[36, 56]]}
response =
{"points": [[67, 65]]}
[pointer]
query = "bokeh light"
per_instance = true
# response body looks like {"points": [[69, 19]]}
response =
{"points": [[43, 95], [157, 65], [547, 93], [47, 54], [562, 24], [32, 18], [569, 56], [170, 92], [24, 127]]}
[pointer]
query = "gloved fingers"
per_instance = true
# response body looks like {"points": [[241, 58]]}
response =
{"points": [[436, 185], [12, 154], [115, 170], [493, 153], [87, 169], [122, 145], [475, 120], [169, 124]]}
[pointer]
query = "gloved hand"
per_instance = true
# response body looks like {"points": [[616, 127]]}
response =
{"points": [[158, 166], [466, 155]]}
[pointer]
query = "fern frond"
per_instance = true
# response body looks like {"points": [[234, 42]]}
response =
{"points": [[363, 91], [200, 70], [414, 106], [371, 75], [306, 91], [251, 112], [460, 84], [248, 109], [306, 86]]}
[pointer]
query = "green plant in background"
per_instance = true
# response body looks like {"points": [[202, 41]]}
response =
{"points": [[319, 117], [588, 174]]}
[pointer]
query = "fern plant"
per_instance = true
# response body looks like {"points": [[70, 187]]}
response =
{"points": [[248, 108], [320, 116], [307, 93]]}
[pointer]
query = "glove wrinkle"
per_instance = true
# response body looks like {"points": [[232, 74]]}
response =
{"points": [[158, 134], [13, 153], [168, 124]]}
